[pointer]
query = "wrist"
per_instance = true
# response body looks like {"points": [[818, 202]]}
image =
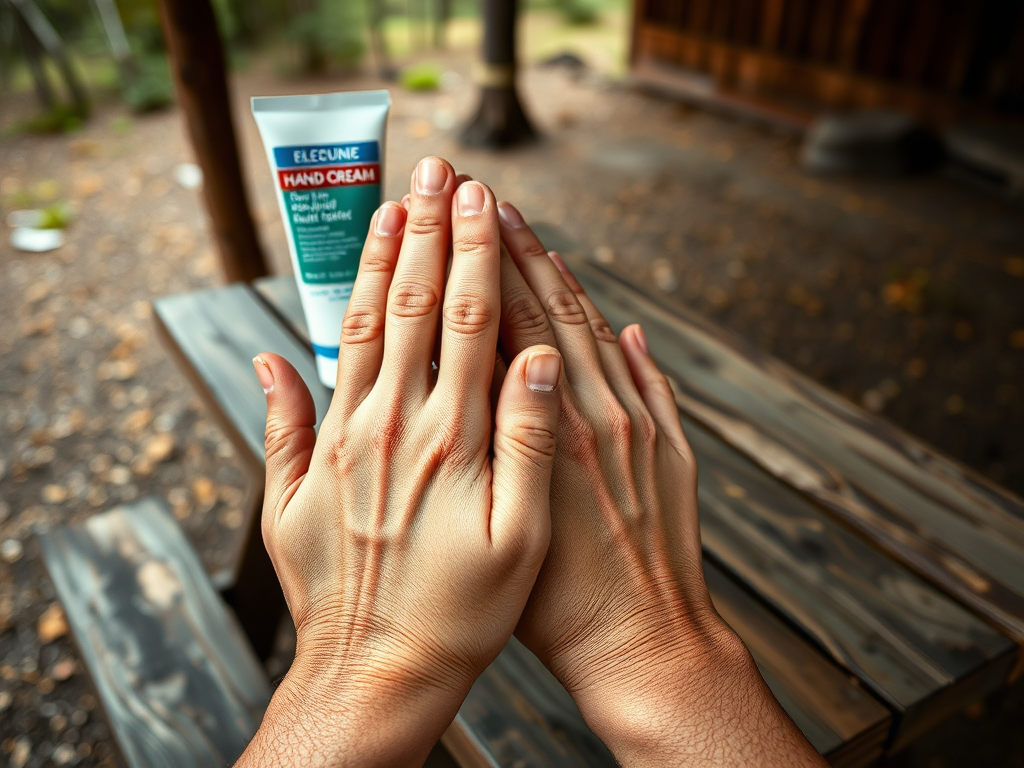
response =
{"points": [[325, 713], [708, 706]]}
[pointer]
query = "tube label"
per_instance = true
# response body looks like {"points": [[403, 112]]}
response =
{"points": [[330, 193]]}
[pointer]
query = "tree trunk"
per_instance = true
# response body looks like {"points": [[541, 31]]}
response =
{"points": [[47, 37], [379, 43], [499, 120], [442, 12], [197, 62], [110, 19], [33, 57]]}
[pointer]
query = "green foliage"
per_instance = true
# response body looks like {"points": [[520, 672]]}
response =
{"points": [[421, 77], [580, 11], [56, 216], [150, 88], [63, 118], [330, 32]]}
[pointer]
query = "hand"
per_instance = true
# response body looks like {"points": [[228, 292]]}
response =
{"points": [[406, 551], [620, 612]]}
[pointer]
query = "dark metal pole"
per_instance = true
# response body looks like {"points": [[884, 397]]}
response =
{"points": [[197, 62], [500, 120]]}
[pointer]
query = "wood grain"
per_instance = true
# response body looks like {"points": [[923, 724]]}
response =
{"points": [[837, 715], [944, 521], [213, 336], [915, 648], [176, 676]]}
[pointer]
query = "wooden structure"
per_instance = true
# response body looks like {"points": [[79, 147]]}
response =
{"points": [[785, 60], [499, 120], [197, 64], [878, 584], [177, 679]]}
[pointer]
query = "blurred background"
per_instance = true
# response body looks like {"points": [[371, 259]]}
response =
{"points": [[840, 183]]}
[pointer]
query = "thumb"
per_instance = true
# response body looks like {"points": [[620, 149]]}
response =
{"points": [[290, 435], [525, 429]]}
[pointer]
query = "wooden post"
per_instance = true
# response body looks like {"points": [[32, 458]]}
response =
{"points": [[197, 63], [499, 120]]}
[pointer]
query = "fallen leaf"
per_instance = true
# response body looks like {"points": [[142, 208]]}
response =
{"points": [[54, 494], [52, 624], [64, 669], [205, 492], [159, 447]]}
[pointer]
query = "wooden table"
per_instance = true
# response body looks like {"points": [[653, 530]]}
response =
{"points": [[878, 584]]}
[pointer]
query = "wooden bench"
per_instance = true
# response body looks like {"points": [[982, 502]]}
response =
{"points": [[177, 678], [918, 650], [830, 613]]}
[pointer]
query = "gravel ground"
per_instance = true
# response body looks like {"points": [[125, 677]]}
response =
{"points": [[905, 295]]}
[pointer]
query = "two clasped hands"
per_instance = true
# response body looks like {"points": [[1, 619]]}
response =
{"points": [[547, 491]]}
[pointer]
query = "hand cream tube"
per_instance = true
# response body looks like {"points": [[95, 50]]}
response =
{"points": [[327, 156]]}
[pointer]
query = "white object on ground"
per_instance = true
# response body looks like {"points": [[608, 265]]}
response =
{"points": [[189, 175], [29, 218], [36, 240]]}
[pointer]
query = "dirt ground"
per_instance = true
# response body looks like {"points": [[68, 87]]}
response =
{"points": [[906, 295]]}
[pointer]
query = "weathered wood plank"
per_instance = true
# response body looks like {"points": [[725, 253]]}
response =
{"points": [[838, 716], [952, 526], [213, 335], [177, 678], [914, 647], [219, 331]]}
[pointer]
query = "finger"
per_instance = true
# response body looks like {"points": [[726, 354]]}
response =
{"points": [[523, 320], [290, 435], [406, 199], [612, 360], [461, 179], [472, 301], [361, 348], [565, 313], [415, 293], [652, 385], [526, 424]]}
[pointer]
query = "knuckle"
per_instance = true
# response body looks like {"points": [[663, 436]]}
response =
{"points": [[617, 423], [473, 245], [276, 439], [413, 299], [645, 429], [564, 307], [361, 325], [581, 441], [602, 331], [467, 314], [534, 250], [424, 223], [524, 313], [530, 440], [375, 261]]}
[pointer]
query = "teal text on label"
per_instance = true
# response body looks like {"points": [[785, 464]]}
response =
{"points": [[328, 227]]}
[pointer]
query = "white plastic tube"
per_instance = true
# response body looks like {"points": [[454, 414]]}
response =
{"points": [[327, 156]]}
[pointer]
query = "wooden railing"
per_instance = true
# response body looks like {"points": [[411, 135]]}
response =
{"points": [[936, 58]]}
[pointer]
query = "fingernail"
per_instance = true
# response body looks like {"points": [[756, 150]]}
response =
{"points": [[389, 220], [553, 255], [471, 199], [430, 177], [511, 216], [641, 339], [405, 202], [263, 374], [542, 371]]}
